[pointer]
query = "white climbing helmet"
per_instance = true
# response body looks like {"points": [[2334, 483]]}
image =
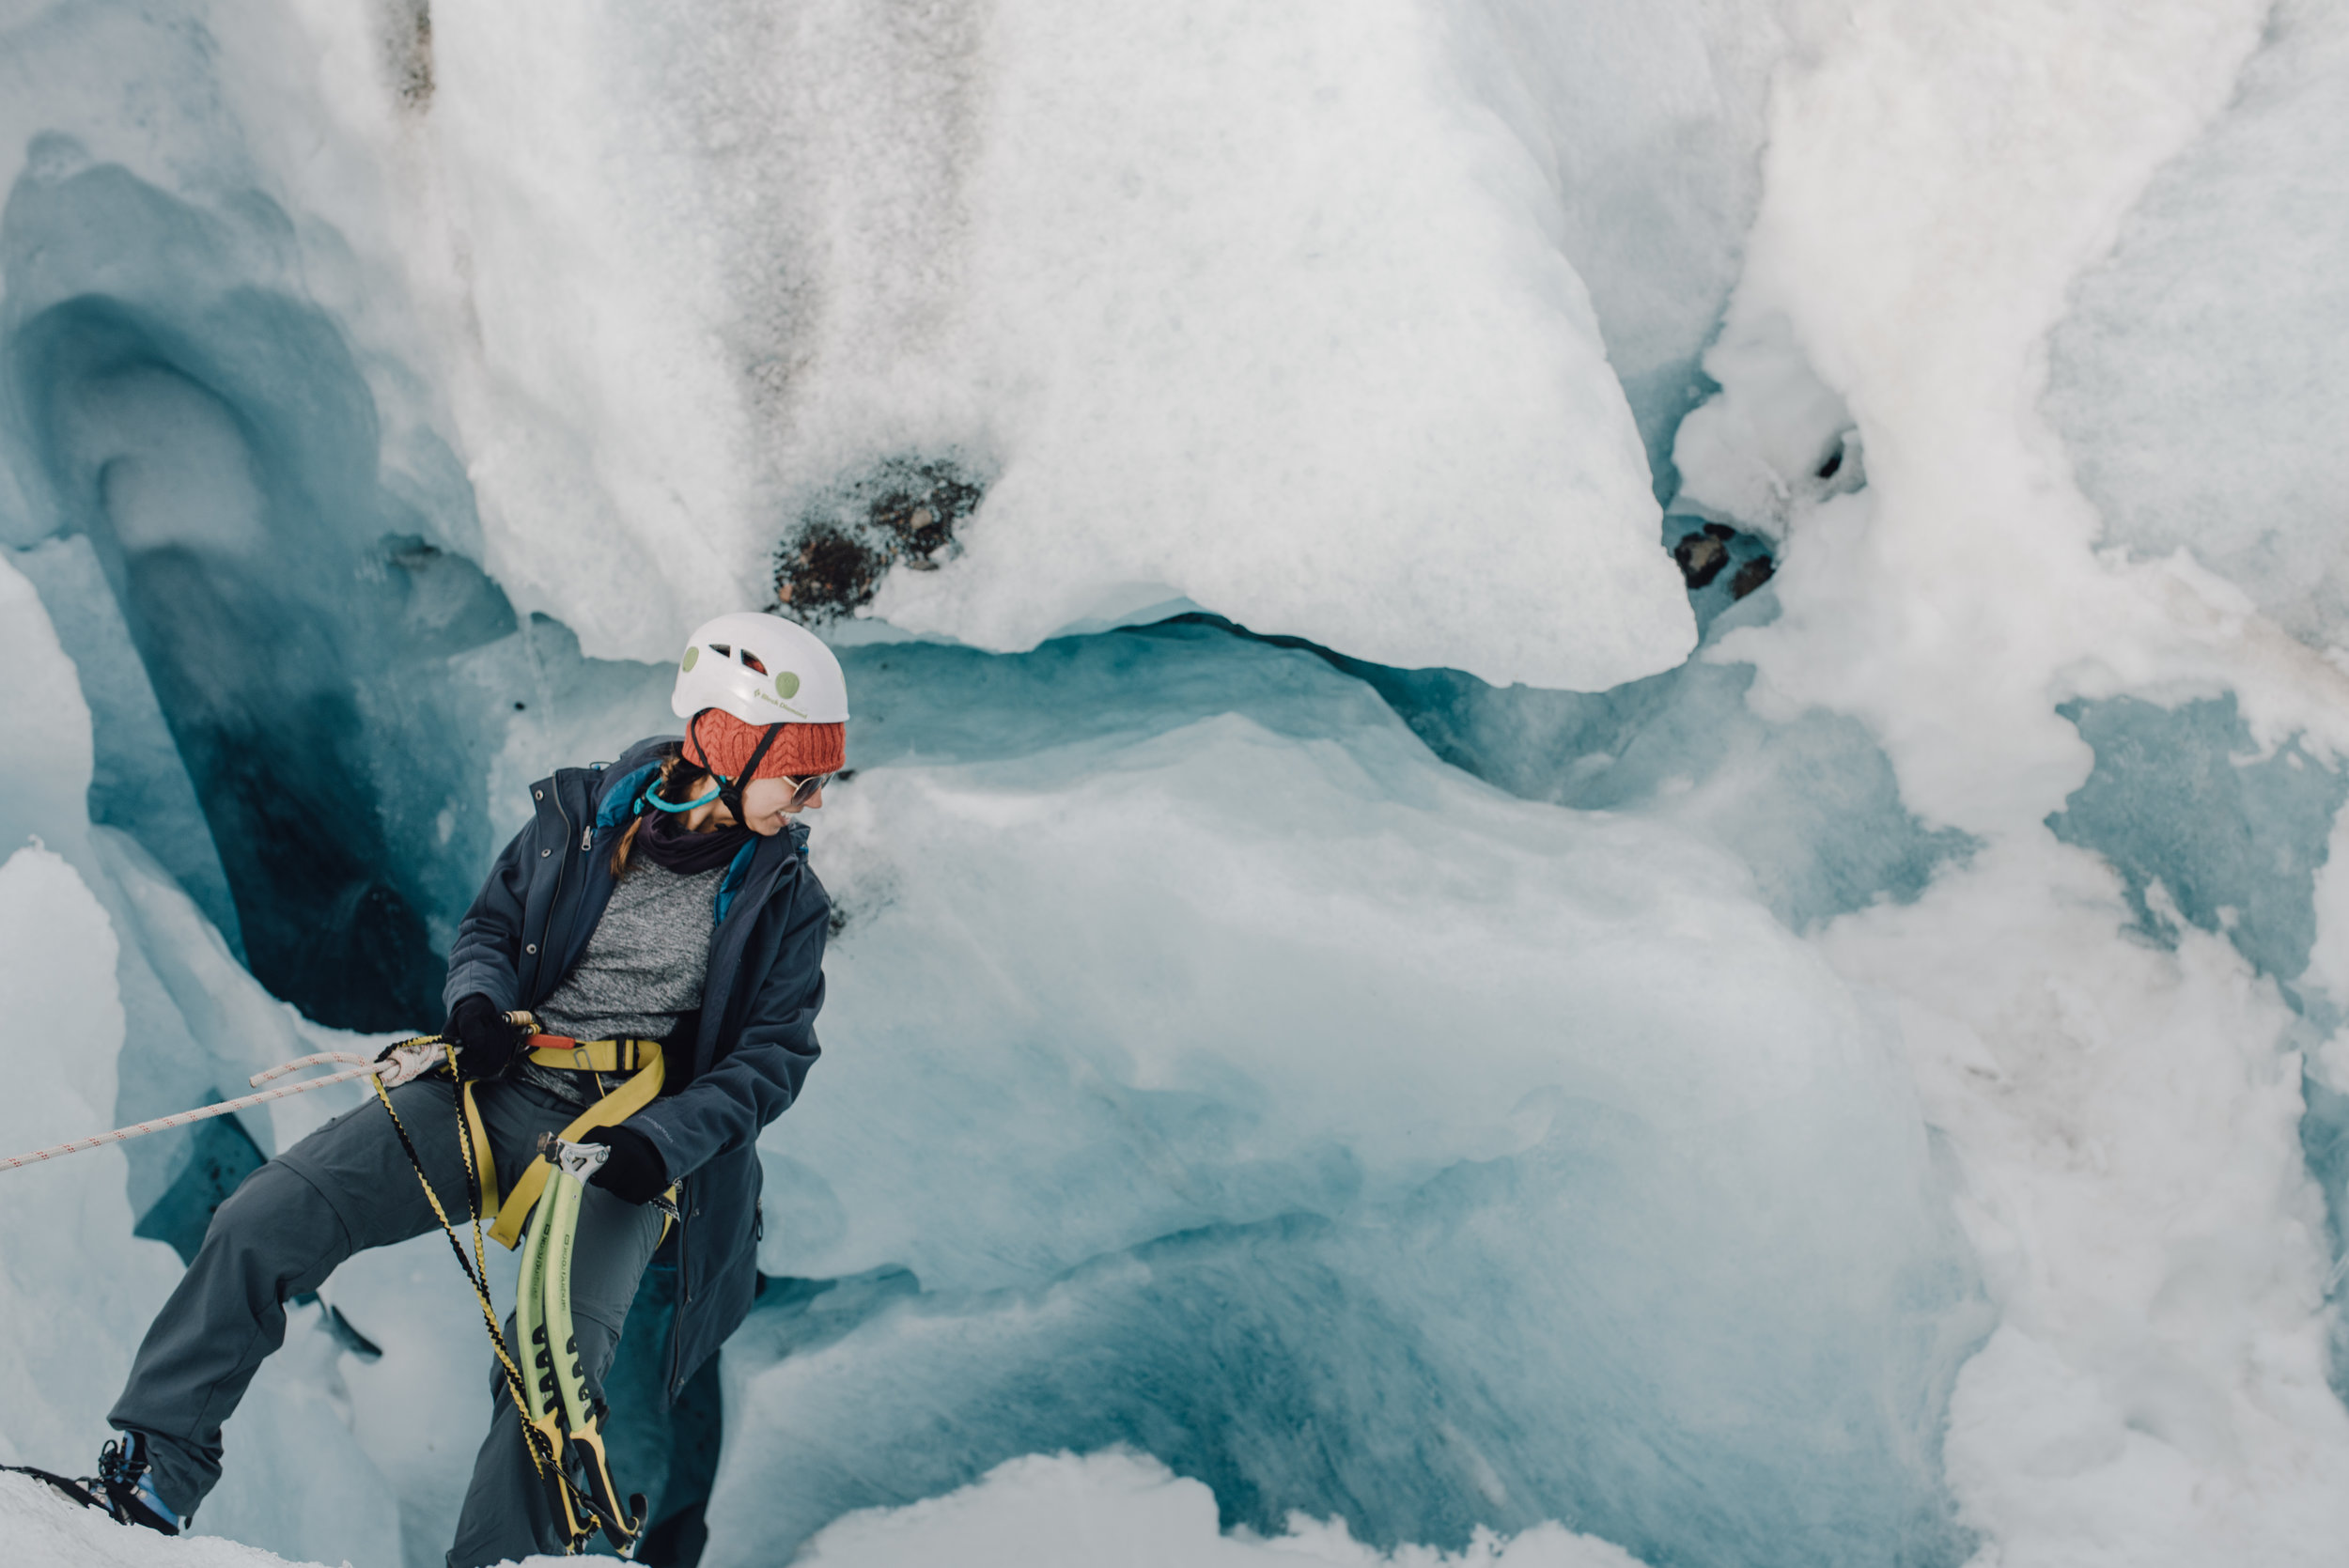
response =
{"points": [[762, 669]]}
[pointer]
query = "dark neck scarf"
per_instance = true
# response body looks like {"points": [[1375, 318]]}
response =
{"points": [[673, 848]]}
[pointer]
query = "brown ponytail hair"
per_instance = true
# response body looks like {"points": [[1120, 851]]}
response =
{"points": [[679, 778]]}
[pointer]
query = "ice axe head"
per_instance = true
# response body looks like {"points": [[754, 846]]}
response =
{"points": [[578, 1161]]}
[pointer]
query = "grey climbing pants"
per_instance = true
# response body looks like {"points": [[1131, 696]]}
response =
{"points": [[346, 1187]]}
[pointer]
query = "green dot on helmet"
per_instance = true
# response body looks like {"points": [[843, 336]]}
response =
{"points": [[787, 685], [692, 655]]}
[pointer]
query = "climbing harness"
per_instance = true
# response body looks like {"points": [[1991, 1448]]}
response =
{"points": [[392, 1068], [562, 1421], [639, 1058]]}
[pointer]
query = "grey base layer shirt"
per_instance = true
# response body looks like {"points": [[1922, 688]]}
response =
{"points": [[346, 1187], [642, 971]]}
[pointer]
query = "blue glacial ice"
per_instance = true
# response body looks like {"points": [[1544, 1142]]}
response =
{"points": [[2205, 829], [1807, 802], [105, 953], [1403, 1108], [189, 425]]}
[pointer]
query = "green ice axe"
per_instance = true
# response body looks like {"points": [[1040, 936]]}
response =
{"points": [[561, 1406]]}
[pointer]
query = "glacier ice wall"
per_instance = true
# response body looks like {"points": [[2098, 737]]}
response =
{"points": [[1310, 1084], [1806, 800], [1647, 121], [919, 233], [204, 434], [1872, 1088]]}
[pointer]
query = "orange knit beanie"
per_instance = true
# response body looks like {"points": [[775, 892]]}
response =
{"points": [[717, 741]]}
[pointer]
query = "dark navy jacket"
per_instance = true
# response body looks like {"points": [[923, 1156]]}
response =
{"points": [[742, 1066]]}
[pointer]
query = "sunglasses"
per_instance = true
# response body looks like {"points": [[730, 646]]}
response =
{"points": [[804, 790]]}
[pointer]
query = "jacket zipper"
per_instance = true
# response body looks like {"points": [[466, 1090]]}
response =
{"points": [[684, 1287], [554, 899]]}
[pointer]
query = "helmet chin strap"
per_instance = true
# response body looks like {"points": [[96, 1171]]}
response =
{"points": [[729, 790]]}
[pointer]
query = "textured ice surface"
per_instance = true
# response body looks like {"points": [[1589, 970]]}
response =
{"points": [[139, 783], [1808, 800], [69, 1225], [1773, 441], [2197, 378], [1337, 294], [184, 411], [664, 277], [1648, 119], [2121, 1113], [1225, 1068], [2197, 821]]}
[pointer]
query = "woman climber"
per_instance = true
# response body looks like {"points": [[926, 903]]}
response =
{"points": [[665, 899]]}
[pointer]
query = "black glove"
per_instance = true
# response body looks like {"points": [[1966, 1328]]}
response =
{"points": [[635, 1173], [484, 1042]]}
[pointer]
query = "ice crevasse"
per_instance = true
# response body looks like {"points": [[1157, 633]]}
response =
{"points": [[1398, 1062]]}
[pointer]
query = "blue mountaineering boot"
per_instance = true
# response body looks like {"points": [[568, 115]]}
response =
{"points": [[129, 1489], [122, 1489]]}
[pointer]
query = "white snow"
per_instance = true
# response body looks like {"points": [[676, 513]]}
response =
{"points": [[43, 1527], [1046, 1510], [2125, 1118]]}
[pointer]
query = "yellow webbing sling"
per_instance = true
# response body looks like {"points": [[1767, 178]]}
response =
{"points": [[640, 1057]]}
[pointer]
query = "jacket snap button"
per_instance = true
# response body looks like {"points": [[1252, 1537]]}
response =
{"points": [[532, 948], [538, 794], [544, 853]]}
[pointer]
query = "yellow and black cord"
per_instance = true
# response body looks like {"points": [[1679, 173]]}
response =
{"points": [[544, 1462]]}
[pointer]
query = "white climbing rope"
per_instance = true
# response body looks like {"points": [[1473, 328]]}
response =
{"points": [[403, 1063]]}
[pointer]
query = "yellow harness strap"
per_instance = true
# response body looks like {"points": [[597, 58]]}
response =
{"points": [[641, 1056], [596, 1056], [477, 1134]]}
